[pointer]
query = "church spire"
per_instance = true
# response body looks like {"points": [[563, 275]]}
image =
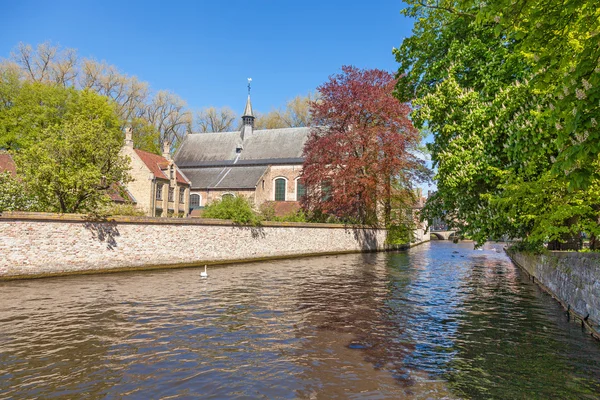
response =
{"points": [[248, 116]]}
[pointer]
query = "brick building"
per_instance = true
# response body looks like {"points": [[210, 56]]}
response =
{"points": [[160, 189], [262, 165]]}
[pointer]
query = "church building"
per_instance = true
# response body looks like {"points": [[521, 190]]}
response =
{"points": [[261, 165]]}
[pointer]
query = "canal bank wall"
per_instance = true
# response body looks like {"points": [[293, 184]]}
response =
{"points": [[570, 277], [42, 244]]}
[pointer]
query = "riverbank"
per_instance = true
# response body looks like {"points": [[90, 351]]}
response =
{"points": [[571, 278], [35, 245]]}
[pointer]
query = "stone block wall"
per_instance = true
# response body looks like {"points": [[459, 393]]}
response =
{"points": [[48, 244], [265, 190], [573, 278]]}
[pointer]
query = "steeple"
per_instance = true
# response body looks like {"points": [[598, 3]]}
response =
{"points": [[248, 116], [248, 112]]}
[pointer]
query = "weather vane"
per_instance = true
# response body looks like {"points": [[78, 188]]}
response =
{"points": [[249, 81]]}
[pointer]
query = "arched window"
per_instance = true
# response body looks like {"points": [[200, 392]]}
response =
{"points": [[326, 190], [300, 190], [195, 201], [227, 196], [280, 184]]}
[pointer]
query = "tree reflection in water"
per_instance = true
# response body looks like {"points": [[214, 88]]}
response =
{"points": [[439, 321]]}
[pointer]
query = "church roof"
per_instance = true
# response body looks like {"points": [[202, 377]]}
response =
{"points": [[235, 177], [260, 147]]}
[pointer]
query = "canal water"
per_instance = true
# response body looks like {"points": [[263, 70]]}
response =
{"points": [[439, 321]]}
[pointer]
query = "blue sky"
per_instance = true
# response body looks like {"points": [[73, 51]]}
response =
{"points": [[204, 50]]}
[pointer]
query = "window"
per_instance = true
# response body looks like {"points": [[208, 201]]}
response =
{"points": [[227, 196], [158, 212], [195, 201], [300, 190], [171, 172], [280, 189], [159, 190], [171, 194], [181, 195], [326, 190]]}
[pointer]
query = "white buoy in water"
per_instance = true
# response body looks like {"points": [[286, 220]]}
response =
{"points": [[204, 274]]}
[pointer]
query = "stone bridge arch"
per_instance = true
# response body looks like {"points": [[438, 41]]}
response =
{"points": [[443, 235]]}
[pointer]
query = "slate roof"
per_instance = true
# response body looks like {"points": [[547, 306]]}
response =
{"points": [[222, 161], [261, 147], [234, 177], [158, 164], [7, 164]]}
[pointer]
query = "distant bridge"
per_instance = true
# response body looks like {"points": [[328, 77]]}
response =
{"points": [[443, 235]]}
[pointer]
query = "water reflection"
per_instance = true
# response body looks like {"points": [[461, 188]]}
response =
{"points": [[441, 321]]}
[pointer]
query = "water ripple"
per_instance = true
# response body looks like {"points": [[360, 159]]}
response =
{"points": [[441, 321]]}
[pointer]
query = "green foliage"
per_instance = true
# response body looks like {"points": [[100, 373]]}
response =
{"points": [[505, 118], [267, 213], [145, 136], [14, 196], [126, 209], [399, 234], [66, 145], [238, 209], [560, 37]]}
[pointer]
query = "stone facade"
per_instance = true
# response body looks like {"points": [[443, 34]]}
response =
{"points": [[265, 191], [573, 278], [153, 177], [34, 244]]}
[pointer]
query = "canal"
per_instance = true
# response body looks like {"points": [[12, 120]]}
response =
{"points": [[439, 321]]}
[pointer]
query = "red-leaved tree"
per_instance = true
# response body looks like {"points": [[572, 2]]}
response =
{"points": [[361, 150]]}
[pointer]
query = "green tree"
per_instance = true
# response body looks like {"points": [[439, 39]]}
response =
{"points": [[14, 196], [560, 39], [496, 135], [69, 155]]}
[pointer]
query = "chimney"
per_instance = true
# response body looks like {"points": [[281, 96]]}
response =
{"points": [[166, 150], [128, 137]]}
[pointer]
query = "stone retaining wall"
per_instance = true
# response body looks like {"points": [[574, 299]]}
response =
{"points": [[573, 278], [39, 244]]}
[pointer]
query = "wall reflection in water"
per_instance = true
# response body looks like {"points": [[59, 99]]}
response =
{"points": [[441, 321]]}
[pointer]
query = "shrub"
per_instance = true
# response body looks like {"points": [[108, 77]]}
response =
{"points": [[238, 209], [268, 213], [399, 234], [126, 209]]}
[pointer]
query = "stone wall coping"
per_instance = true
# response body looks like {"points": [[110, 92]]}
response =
{"points": [[561, 253], [83, 218]]}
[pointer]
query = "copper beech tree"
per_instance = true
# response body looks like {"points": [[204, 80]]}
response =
{"points": [[361, 150]]}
